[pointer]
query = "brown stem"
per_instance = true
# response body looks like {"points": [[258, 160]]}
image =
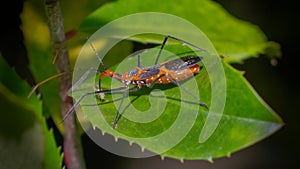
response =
{"points": [[73, 158]]}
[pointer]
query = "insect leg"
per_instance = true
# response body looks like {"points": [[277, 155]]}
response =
{"points": [[160, 50], [125, 94], [82, 78], [183, 41], [186, 91], [119, 108], [180, 40], [150, 85], [139, 61], [72, 109]]}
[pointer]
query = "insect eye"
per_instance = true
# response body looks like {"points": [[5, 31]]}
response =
{"points": [[132, 72]]}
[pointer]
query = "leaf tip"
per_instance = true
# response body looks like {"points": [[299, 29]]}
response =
{"points": [[272, 50]]}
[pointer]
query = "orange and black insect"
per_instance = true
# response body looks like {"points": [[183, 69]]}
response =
{"points": [[173, 71]]}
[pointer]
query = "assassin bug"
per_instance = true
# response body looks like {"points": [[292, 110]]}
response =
{"points": [[167, 72]]}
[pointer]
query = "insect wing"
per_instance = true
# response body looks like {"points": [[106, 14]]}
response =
{"points": [[182, 63]]}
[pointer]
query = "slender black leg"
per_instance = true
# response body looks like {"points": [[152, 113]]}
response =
{"points": [[87, 94], [99, 84], [160, 50], [125, 94], [183, 41], [139, 61], [189, 93], [180, 40]]}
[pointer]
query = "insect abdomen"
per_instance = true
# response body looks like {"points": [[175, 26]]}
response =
{"points": [[178, 75]]}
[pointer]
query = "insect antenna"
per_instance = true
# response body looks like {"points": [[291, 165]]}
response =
{"points": [[85, 76], [101, 62], [97, 54], [92, 69]]}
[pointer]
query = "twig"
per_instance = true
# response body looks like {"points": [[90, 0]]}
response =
{"points": [[73, 158]]}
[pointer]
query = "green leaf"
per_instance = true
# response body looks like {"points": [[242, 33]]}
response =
{"points": [[233, 38], [25, 141], [246, 120], [52, 156], [21, 136], [164, 119], [167, 121]]}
